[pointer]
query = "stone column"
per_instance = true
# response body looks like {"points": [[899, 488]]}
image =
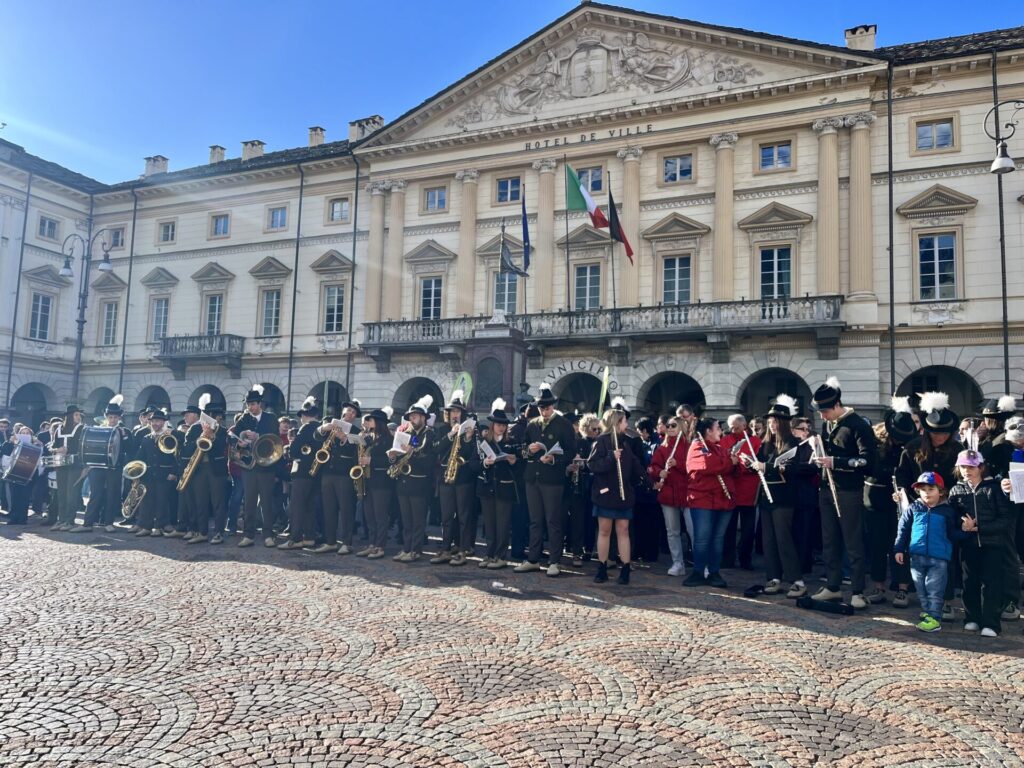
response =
{"points": [[465, 281], [629, 274], [725, 252], [375, 253], [391, 305], [542, 260], [861, 230], [828, 203]]}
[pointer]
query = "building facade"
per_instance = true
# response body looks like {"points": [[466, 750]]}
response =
{"points": [[752, 177]]}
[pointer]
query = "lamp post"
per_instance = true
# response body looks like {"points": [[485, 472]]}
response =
{"points": [[68, 249], [1002, 165]]}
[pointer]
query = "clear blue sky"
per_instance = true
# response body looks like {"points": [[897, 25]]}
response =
{"points": [[97, 86]]}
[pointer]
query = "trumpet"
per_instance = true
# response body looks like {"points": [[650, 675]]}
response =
{"points": [[133, 470]]}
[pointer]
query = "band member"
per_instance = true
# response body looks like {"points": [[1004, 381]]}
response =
{"points": [[187, 433], [161, 471], [416, 485], [336, 486], [496, 487], [545, 476], [69, 490], [668, 471], [142, 428], [458, 505], [211, 475], [850, 449], [380, 488], [747, 486], [106, 483], [258, 482], [520, 513], [582, 523], [709, 494], [302, 452]]}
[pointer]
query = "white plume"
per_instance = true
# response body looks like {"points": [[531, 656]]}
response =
{"points": [[117, 399], [498, 405], [458, 394], [425, 402], [544, 386], [833, 382], [309, 401], [204, 400], [388, 411], [619, 403], [356, 403], [787, 402], [257, 388], [934, 401], [900, 404], [1007, 403]]}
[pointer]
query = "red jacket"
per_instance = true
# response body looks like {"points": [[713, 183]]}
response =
{"points": [[745, 481], [707, 469], [673, 492]]}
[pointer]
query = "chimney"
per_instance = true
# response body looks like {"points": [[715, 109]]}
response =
{"points": [[216, 154], [316, 136], [155, 164], [359, 129], [861, 38], [252, 148]]}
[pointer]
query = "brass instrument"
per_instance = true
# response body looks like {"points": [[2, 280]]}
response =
{"points": [[203, 446], [133, 470], [402, 467], [263, 451], [455, 461], [358, 472], [167, 443], [323, 455]]}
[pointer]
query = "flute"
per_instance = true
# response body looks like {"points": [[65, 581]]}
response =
{"points": [[819, 452], [760, 474], [672, 454], [721, 482], [618, 463]]}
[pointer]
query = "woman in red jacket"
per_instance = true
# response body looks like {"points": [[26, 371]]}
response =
{"points": [[668, 473], [709, 493]]}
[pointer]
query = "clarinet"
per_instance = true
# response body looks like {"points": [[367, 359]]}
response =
{"points": [[760, 474], [721, 482], [819, 451]]}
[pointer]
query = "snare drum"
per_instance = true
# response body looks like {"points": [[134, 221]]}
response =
{"points": [[58, 460], [24, 463], [101, 447]]}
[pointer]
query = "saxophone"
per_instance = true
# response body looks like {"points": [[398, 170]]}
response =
{"points": [[402, 467], [358, 472], [455, 461], [323, 455]]}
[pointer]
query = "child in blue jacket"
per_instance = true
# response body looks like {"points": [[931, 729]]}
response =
{"points": [[927, 529]]}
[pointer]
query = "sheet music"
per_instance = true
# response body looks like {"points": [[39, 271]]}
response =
{"points": [[354, 439], [466, 426], [402, 439], [554, 450], [341, 424], [784, 458], [1017, 482]]}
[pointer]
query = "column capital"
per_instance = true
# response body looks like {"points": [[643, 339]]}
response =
{"points": [[467, 175], [630, 153], [860, 120], [724, 140], [545, 165], [377, 187], [396, 185], [827, 125]]}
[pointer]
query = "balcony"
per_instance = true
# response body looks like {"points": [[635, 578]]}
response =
{"points": [[714, 323], [176, 352]]}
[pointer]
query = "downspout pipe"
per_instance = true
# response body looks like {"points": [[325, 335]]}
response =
{"points": [[892, 239], [128, 293], [295, 288], [17, 294], [352, 281]]}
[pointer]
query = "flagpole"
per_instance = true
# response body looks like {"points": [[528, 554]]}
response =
{"points": [[568, 295], [525, 246], [611, 244]]}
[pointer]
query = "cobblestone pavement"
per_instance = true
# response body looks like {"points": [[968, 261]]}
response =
{"points": [[121, 652]]}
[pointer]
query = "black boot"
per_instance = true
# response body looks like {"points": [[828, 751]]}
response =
{"points": [[602, 573], [624, 574]]}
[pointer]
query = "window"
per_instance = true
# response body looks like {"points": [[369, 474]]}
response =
{"points": [[220, 225], [159, 319], [592, 178], [108, 320], [39, 323], [214, 312], [167, 231], [937, 265], [430, 298], [48, 228], [334, 308], [775, 156], [508, 190], [116, 238], [505, 292], [776, 272], [277, 218], [676, 169], [934, 134], [270, 309], [435, 199], [675, 283], [337, 210], [588, 287]]}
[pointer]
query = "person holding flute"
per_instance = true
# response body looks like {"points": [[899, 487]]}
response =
{"points": [[709, 494], [668, 473]]}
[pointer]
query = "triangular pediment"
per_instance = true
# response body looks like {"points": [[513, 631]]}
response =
{"points": [[47, 275], [431, 250], [331, 262], [572, 67], [585, 236], [775, 216], [212, 273], [159, 278], [675, 225], [108, 282], [270, 268], [937, 200], [492, 248]]}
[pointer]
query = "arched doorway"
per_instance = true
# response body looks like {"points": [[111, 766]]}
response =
{"points": [[666, 391], [964, 393], [578, 392], [216, 396], [153, 397], [412, 390], [30, 404], [330, 395], [757, 393], [96, 403], [273, 399]]}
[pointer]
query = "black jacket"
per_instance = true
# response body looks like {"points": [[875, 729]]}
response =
{"points": [[910, 466], [605, 490], [420, 482], [379, 463], [499, 479], [264, 425], [467, 450], [158, 464], [995, 513], [302, 450], [780, 482], [850, 438], [557, 430]]}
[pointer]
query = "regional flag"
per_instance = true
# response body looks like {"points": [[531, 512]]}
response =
{"points": [[577, 198], [526, 234], [615, 227]]}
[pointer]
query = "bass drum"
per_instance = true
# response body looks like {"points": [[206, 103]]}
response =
{"points": [[101, 447], [24, 463]]}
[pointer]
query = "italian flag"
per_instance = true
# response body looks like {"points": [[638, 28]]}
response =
{"points": [[577, 198]]}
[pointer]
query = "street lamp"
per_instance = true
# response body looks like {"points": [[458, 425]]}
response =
{"points": [[68, 249], [1002, 165]]}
